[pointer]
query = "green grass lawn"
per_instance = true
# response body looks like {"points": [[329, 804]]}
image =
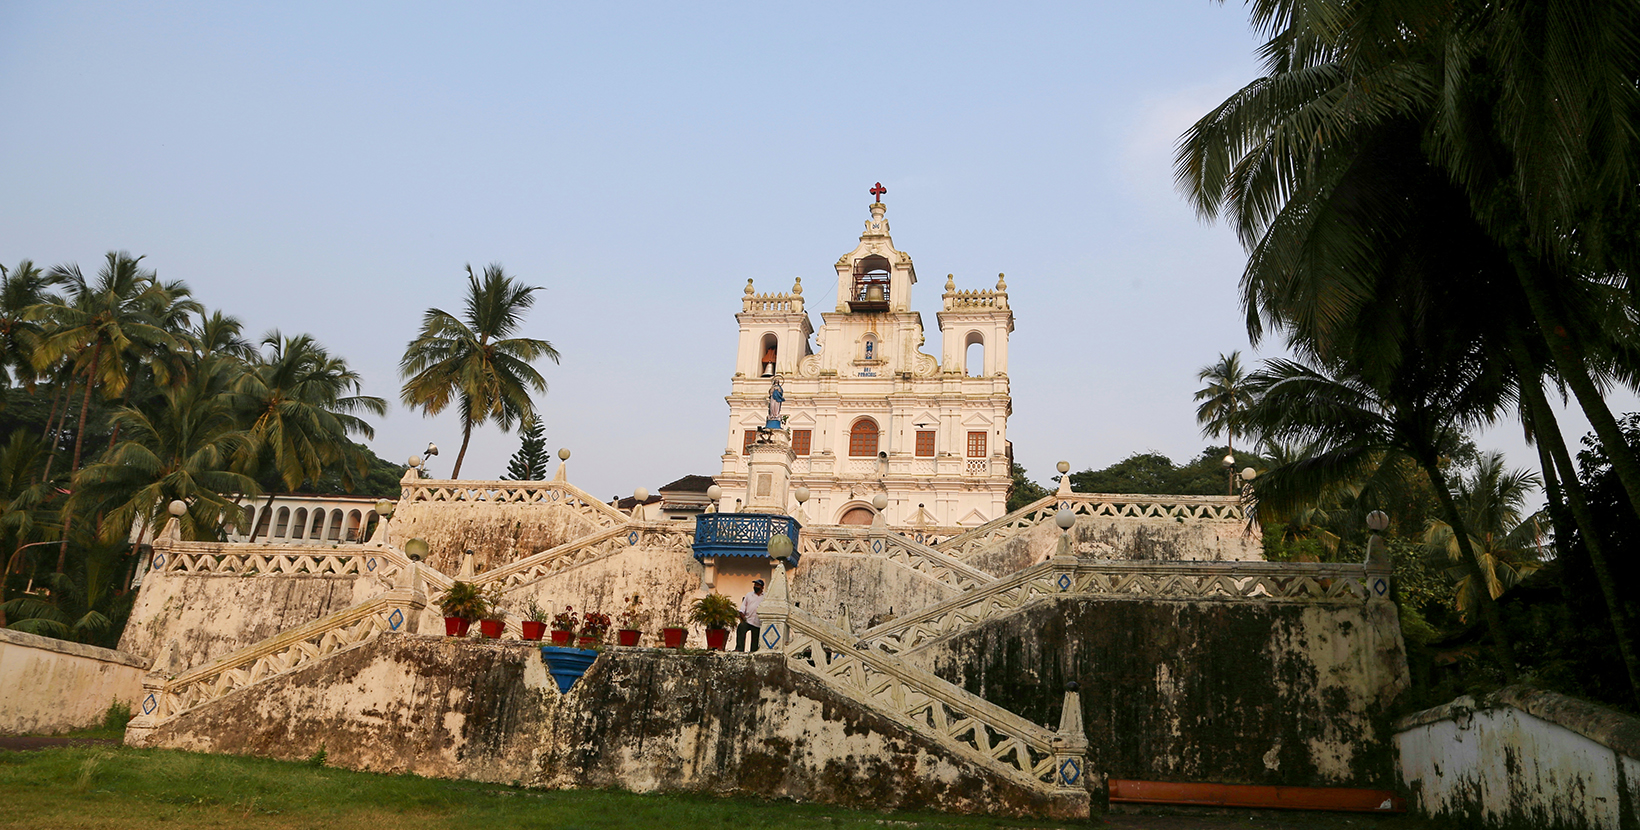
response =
{"points": [[119, 787]]}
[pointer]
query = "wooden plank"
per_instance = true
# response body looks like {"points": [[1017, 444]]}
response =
{"points": [[1339, 799]]}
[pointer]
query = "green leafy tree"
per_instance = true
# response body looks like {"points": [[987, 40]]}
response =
{"points": [[1023, 490], [21, 288], [531, 460], [473, 361]]}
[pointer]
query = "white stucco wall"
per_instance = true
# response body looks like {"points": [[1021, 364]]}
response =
{"points": [[49, 686], [1521, 758]]}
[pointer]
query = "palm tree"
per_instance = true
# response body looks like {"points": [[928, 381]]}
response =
{"points": [[99, 327], [473, 361], [184, 450], [297, 404], [1222, 402], [1504, 542], [21, 288], [1366, 426]]}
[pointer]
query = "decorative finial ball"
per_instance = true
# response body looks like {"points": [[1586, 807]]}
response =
{"points": [[780, 546], [416, 549], [641, 494], [714, 492], [879, 501], [801, 494], [563, 454], [1065, 518], [749, 288], [1229, 460], [177, 507], [1073, 686], [1248, 474], [1377, 520], [415, 461], [1063, 467], [384, 507]]}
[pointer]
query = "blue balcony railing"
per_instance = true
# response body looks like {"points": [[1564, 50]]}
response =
{"points": [[742, 534]]}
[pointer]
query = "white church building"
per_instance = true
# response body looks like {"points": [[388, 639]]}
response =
{"points": [[866, 411]]}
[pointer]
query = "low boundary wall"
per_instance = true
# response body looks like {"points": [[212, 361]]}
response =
{"points": [[50, 686], [1522, 757]]}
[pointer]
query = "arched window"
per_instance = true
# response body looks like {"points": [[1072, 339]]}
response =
{"points": [[862, 439], [351, 534], [856, 516], [284, 520], [768, 353], [974, 354], [871, 276], [300, 524]]}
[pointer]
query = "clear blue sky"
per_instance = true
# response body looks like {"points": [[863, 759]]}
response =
{"points": [[329, 168]]}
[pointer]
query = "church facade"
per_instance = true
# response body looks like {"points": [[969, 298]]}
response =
{"points": [[865, 410]]}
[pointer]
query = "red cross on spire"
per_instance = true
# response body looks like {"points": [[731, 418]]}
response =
{"points": [[878, 191]]}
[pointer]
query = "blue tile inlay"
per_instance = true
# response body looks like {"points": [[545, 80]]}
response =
{"points": [[159, 561], [1380, 586], [771, 636], [1064, 582], [395, 619], [1070, 771], [632, 538], [370, 564], [149, 705]]}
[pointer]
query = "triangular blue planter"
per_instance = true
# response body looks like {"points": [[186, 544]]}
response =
{"points": [[566, 665]]}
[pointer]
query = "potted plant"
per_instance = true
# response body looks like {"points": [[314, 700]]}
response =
{"points": [[633, 619], [673, 634], [535, 621], [461, 604], [593, 626], [716, 613], [564, 624], [494, 621]]}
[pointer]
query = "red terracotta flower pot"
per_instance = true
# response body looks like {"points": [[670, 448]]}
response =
{"points": [[533, 630], [629, 636], [562, 638], [492, 628], [456, 626], [717, 639], [586, 642], [674, 637]]}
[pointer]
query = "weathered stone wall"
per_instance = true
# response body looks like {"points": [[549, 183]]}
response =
{"points": [[641, 720], [1142, 540], [496, 532], [666, 579], [1522, 758], [1229, 692], [209, 615], [871, 586], [49, 686]]}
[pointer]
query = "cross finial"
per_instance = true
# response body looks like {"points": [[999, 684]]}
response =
{"points": [[878, 191]]}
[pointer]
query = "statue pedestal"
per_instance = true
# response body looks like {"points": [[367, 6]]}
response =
{"points": [[768, 472]]}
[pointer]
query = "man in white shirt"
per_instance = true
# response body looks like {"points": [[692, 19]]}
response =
{"points": [[749, 622]]}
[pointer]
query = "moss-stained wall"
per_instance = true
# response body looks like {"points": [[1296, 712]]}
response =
{"points": [[871, 587], [642, 720], [1231, 692], [209, 615], [1141, 540], [496, 532]]}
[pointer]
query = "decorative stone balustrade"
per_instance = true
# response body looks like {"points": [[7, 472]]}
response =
{"points": [[581, 551], [1187, 509], [165, 698], [789, 303], [1063, 577], [512, 492], [975, 728], [975, 298], [247, 559]]}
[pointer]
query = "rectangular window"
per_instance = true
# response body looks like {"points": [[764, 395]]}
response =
{"points": [[746, 448], [976, 445], [801, 438], [925, 444]]}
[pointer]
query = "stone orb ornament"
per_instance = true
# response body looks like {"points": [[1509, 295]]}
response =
{"points": [[563, 454], [415, 461], [416, 549], [801, 494], [177, 507], [1065, 518], [641, 494], [1063, 467], [880, 501]]}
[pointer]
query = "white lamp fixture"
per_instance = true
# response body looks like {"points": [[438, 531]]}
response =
{"points": [[1377, 521], [177, 507]]}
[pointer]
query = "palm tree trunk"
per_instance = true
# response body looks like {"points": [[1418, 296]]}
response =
{"points": [[256, 523], [466, 435], [54, 431], [1548, 436], [1567, 353], [79, 441], [1505, 653]]}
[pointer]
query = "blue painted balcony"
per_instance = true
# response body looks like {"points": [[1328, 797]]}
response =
{"points": [[742, 534]]}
